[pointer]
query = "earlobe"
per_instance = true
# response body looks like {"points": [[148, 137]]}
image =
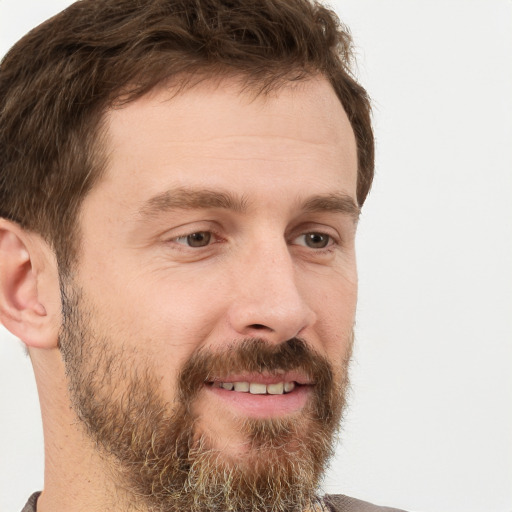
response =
{"points": [[28, 284]]}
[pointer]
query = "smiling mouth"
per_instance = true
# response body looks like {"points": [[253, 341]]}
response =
{"points": [[256, 388], [262, 395]]}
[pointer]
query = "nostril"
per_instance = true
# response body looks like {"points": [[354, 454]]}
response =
{"points": [[258, 326]]}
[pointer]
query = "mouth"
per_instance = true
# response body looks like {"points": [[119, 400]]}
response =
{"points": [[257, 388], [261, 396]]}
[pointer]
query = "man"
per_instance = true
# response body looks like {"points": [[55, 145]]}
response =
{"points": [[179, 194]]}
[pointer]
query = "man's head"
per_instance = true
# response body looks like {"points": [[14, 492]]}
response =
{"points": [[185, 179]]}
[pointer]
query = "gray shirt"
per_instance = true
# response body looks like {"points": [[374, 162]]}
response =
{"points": [[333, 502]]}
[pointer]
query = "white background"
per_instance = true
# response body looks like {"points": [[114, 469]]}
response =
{"points": [[430, 426]]}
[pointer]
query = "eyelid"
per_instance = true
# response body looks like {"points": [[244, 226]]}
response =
{"points": [[187, 228]]}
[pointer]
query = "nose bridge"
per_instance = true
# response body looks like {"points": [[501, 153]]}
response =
{"points": [[268, 302]]}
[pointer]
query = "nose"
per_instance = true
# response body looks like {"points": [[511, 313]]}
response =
{"points": [[266, 301]]}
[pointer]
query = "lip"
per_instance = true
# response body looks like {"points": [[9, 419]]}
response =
{"points": [[261, 406], [262, 378]]}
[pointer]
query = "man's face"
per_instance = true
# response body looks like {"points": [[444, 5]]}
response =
{"points": [[209, 319]]}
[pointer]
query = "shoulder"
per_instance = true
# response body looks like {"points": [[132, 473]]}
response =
{"points": [[341, 503], [31, 505]]}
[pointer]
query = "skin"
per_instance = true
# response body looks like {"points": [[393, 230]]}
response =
{"points": [[162, 300]]}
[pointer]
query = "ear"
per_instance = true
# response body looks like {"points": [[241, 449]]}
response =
{"points": [[29, 287]]}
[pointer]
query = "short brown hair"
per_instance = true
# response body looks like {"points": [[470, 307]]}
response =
{"points": [[57, 82]]}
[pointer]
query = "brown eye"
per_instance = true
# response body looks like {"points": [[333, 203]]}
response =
{"points": [[316, 240], [199, 239]]}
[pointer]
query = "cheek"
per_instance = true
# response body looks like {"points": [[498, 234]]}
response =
{"points": [[186, 310], [333, 294], [166, 304], [333, 298], [161, 321]]}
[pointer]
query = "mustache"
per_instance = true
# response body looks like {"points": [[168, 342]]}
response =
{"points": [[254, 355]]}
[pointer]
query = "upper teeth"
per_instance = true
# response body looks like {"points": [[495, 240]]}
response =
{"points": [[257, 388]]}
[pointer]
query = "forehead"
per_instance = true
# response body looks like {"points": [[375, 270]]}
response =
{"points": [[217, 134]]}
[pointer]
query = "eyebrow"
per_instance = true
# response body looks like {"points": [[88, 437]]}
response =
{"points": [[197, 199], [338, 203], [192, 199]]}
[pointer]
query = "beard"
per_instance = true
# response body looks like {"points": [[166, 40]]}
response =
{"points": [[157, 450]]}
